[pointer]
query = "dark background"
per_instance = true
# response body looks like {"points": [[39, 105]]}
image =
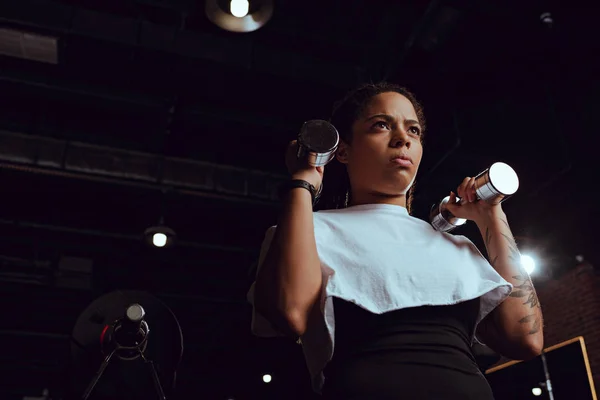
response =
{"points": [[567, 372], [153, 111]]}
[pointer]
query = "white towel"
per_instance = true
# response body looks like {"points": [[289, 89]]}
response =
{"points": [[382, 259]]}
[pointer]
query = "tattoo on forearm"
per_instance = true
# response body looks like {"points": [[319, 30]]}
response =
{"points": [[523, 288], [515, 256], [494, 261], [488, 237], [536, 323], [526, 290]]}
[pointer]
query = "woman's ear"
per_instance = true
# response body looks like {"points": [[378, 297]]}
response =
{"points": [[342, 153]]}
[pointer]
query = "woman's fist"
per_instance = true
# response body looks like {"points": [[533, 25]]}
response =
{"points": [[299, 168], [470, 207]]}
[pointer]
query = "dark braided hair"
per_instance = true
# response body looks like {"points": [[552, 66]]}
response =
{"points": [[336, 183]]}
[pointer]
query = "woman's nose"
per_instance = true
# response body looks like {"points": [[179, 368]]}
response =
{"points": [[400, 139]]}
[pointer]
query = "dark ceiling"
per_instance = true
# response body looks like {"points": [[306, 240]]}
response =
{"points": [[153, 111]]}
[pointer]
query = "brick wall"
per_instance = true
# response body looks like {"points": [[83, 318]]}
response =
{"points": [[571, 307]]}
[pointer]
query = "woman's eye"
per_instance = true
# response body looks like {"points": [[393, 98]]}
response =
{"points": [[382, 125], [415, 130]]}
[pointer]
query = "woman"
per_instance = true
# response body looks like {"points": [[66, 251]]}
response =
{"points": [[385, 306]]}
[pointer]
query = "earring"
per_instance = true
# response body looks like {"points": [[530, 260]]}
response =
{"points": [[347, 198]]}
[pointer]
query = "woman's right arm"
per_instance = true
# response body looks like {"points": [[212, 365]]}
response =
{"points": [[288, 284]]}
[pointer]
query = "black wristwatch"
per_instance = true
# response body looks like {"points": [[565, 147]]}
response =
{"points": [[299, 183]]}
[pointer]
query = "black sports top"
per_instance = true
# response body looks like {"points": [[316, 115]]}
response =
{"points": [[413, 353]]}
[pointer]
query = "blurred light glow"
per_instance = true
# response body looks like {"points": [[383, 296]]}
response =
{"points": [[266, 378], [528, 263], [239, 8], [536, 391], [159, 239]]}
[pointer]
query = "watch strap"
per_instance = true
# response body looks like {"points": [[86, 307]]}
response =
{"points": [[299, 183]]}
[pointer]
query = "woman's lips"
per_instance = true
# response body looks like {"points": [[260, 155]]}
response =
{"points": [[402, 161]]}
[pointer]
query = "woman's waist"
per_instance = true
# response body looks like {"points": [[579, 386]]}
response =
{"points": [[429, 345], [400, 334]]}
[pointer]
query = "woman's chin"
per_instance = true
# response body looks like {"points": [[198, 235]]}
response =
{"points": [[400, 184]]}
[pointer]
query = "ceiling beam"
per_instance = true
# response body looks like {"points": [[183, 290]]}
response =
{"points": [[75, 160]]}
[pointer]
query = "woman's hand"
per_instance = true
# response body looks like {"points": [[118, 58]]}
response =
{"points": [[471, 208], [299, 169]]}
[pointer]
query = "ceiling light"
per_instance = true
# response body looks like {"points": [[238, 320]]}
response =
{"points": [[239, 15], [160, 236], [239, 8], [159, 239]]}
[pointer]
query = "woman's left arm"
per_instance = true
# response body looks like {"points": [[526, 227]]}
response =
{"points": [[514, 328], [517, 321]]}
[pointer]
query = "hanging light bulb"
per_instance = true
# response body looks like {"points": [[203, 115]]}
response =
{"points": [[159, 239], [239, 8], [239, 15], [160, 236]]}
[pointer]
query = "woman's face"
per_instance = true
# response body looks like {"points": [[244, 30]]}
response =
{"points": [[385, 152]]}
